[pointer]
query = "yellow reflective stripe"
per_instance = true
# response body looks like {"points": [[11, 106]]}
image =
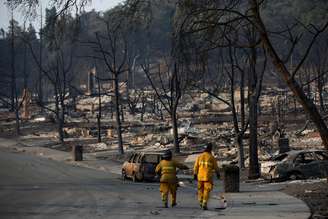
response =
{"points": [[205, 163], [168, 168]]}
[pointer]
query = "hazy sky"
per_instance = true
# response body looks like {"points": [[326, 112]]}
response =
{"points": [[98, 5]]}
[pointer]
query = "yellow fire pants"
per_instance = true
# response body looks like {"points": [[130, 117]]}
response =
{"points": [[165, 189], [204, 189]]}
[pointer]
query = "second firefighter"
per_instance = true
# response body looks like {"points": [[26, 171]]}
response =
{"points": [[168, 180]]}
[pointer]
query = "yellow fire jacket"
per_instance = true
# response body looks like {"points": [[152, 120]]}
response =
{"points": [[204, 167], [167, 169]]}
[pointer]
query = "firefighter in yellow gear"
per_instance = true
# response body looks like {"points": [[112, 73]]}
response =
{"points": [[204, 168], [168, 181]]}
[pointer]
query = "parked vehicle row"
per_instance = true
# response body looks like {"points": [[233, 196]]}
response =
{"points": [[302, 164]]}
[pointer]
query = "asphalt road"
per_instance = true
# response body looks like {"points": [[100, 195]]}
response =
{"points": [[34, 187]]}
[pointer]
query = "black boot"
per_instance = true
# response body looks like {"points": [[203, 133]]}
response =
{"points": [[204, 206]]}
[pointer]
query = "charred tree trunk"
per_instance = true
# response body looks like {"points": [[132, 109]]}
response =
{"points": [[320, 84], [295, 105], [117, 115], [99, 113], [161, 114], [154, 105], [175, 131], [308, 87], [99, 127], [254, 170], [240, 137], [40, 91], [60, 124], [14, 92], [25, 75], [242, 101], [175, 97], [297, 90], [143, 108], [122, 112], [241, 158], [238, 132]]}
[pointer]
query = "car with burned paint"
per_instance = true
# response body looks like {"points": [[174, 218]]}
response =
{"points": [[141, 166], [296, 164]]}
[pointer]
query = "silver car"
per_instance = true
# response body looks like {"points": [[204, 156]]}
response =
{"points": [[293, 165]]}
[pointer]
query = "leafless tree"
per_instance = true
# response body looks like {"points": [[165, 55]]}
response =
{"points": [[40, 76], [254, 90], [318, 70], [13, 76], [111, 48], [286, 75], [217, 20], [57, 68], [29, 7], [169, 80], [134, 98]]}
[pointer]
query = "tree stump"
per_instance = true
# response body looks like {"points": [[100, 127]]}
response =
{"points": [[77, 152], [283, 145], [231, 178]]}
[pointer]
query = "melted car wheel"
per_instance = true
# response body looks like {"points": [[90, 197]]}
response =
{"points": [[134, 177], [295, 176], [123, 175]]}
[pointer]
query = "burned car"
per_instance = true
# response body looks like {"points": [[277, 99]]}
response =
{"points": [[141, 166], [293, 165]]}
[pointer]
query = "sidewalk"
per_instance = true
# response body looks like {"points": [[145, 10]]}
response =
{"points": [[264, 203], [256, 201], [34, 148]]}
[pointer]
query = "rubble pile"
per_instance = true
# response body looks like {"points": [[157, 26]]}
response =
{"points": [[77, 132], [98, 147], [201, 119]]}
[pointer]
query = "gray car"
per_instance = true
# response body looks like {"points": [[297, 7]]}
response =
{"points": [[293, 165]]}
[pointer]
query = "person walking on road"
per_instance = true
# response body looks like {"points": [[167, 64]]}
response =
{"points": [[204, 167], [168, 181]]}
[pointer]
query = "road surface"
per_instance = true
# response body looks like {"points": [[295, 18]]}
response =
{"points": [[34, 187]]}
